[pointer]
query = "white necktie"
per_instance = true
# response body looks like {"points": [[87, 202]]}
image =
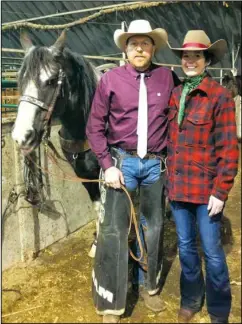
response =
{"points": [[142, 123]]}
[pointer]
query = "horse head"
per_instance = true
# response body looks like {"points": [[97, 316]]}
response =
{"points": [[40, 82]]}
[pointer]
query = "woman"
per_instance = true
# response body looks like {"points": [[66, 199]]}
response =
{"points": [[202, 164]]}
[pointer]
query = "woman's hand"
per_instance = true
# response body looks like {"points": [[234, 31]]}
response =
{"points": [[215, 206]]}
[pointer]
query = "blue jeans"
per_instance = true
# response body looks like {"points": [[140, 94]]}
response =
{"points": [[110, 270], [139, 172], [187, 217]]}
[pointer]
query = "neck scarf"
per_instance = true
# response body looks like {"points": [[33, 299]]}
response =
{"points": [[189, 84]]}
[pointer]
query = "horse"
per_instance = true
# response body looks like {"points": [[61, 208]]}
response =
{"points": [[232, 83], [55, 82]]}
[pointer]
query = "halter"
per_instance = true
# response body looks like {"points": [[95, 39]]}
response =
{"points": [[49, 108]]}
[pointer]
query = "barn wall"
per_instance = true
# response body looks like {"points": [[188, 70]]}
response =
{"points": [[27, 230]]}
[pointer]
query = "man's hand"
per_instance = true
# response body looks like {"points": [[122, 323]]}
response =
{"points": [[113, 177], [215, 206]]}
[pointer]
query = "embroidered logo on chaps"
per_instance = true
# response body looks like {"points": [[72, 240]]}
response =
{"points": [[104, 293]]}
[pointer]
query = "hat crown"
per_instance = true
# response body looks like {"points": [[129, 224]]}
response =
{"points": [[139, 26], [197, 36]]}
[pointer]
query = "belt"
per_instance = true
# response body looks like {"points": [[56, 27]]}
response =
{"points": [[149, 155]]}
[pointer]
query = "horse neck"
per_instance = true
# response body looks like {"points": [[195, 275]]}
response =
{"points": [[73, 127]]}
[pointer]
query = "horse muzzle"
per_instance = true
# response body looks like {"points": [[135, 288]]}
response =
{"points": [[27, 142]]}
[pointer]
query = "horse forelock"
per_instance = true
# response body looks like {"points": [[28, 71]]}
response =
{"points": [[36, 60]]}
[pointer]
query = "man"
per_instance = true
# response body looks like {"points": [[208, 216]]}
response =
{"points": [[127, 130]]}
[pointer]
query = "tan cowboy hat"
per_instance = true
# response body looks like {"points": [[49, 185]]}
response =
{"points": [[141, 27], [197, 40]]}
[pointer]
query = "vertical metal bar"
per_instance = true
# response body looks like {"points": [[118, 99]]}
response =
{"points": [[232, 52], [221, 76], [123, 54]]}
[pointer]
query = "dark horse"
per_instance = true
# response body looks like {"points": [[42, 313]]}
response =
{"points": [[55, 82], [232, 83]]}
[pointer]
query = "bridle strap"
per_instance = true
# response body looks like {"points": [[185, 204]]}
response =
{"points": [[34, 101], [56, 94], [40, 103]]}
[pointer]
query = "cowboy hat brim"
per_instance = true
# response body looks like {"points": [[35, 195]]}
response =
{"points": [[218, 49], [159, 35]]}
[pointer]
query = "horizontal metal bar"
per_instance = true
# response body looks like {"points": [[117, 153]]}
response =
{"points": [[9, 97], [11, 58], [9, 106], [9, 84]]}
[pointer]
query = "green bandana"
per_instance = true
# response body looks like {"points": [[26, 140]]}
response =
{"points": [[189, 84]]}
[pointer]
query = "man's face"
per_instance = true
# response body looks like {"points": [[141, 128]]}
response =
{"points": [[140, 50], [193, 62]]}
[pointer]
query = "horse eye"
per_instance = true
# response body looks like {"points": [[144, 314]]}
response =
{"points": [[50, 82]]}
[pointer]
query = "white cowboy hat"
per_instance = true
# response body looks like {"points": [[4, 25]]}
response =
{"points": [[141, 27], [197, 40]]}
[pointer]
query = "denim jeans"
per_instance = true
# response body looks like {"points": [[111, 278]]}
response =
{"points": [[139, 172], [110, 271], [188, 217]]}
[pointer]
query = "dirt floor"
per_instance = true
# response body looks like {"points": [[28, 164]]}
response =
{"points": [[56, 286]]}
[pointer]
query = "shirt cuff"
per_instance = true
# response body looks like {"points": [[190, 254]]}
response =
{"points": [[220, 195], [106, 162]]}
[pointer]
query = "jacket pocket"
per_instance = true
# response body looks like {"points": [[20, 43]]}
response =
{"points": [[209, 171], [197, 132]]}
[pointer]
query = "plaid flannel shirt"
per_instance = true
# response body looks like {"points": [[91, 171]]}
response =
{"points": [[203, 153]]}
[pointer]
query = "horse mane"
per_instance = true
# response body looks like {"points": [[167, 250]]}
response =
{"points": [[82, 79], [80, 75]]}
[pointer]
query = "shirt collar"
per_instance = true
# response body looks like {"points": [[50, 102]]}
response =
{"points": [[136, 73]]}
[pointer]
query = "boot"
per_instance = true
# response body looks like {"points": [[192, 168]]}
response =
{"points": [[185, 315], [153, 302]]}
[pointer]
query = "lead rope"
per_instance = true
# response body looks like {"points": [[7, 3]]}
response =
{"points": [[68, 177]]}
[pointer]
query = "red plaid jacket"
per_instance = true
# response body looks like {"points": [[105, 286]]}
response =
{"points": [[203, 153]]}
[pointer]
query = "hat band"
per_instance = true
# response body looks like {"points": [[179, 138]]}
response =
{"points": [[199, 45]]}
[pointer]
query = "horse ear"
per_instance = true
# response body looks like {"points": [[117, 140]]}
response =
{"points": [[25, 40], [60, 42]]}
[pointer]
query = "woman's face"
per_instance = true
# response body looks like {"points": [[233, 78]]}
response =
{"points": [[193, 63]]}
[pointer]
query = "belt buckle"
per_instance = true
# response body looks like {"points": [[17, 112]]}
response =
{"points": [[133, 153], [151, 156]]}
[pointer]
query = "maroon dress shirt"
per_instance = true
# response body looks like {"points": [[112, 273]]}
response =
{"points": [[114, 112]]}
